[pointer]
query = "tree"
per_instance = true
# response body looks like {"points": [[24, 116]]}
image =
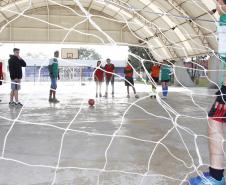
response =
{"points": [[144, 53], [88, 54]]}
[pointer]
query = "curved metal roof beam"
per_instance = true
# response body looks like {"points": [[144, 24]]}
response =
{"points": [[143, 20], [140, 22]]}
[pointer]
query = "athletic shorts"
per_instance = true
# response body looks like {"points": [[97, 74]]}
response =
{"points": [[165, 80], [15, 85], [156, 79], [218, 109], [129, 81], [53, 83], [108, 80], [218, 113]]}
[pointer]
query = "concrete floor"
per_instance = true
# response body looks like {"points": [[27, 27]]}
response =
{"points": [[118, 142]]}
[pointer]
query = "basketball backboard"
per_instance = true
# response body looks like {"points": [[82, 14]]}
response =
{"points": [[69, 53]]}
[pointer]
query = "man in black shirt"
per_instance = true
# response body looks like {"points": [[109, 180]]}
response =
{"points": [[15, 69]]}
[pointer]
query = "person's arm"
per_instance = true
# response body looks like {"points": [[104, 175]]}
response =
{"points": [[171, 71], [95, 74], [113, 68], [11, 69], [55, 70], [221, 7], [113, 71], [22, 62], [58, 74]]}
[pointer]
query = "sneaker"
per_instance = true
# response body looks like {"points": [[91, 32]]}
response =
{"points": [[128, 96], [105, 95], [100, 95], [19, 104], [12, 103], [56, 101], [96, 95], [205, 179], [50, 99], [113, 95], [136, 96]]}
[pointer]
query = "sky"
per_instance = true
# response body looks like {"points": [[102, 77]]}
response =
{"points": [[113, 52]]}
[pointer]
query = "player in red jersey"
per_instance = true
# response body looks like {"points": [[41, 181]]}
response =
{"points": [[128, 71], [109, 76], [99, 78]]}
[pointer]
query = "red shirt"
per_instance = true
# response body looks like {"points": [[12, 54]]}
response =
{"points": [[99, 75], [128, 71], [155, 70], [109, 68]]}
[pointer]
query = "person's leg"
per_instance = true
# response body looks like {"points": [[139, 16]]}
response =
{"points": [[216, 149], [54, 91], [134, 90], [97, 84], [166, 88], [54, 94], [11, 95], [127, 91], [16, 96], [51, 91], [106, 91], [100, 85], [163, 89], [50, 94], [12, 91], [112, 85]]}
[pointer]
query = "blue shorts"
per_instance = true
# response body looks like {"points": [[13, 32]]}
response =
{"points": [[53, 83], [15, 85]]}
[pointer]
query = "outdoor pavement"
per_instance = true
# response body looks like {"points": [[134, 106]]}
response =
{"points": [[119, 141]]}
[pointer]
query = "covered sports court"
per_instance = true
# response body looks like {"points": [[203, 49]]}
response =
{"points": [[119, 140]]}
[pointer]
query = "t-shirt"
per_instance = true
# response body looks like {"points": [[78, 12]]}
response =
{"points": [[165, 73], [222, 44], [109, 68], [99, 75], [222, 35], [128, 70], [155, 70], [53, 64]]}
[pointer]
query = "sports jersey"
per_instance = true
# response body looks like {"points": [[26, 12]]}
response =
{"points": [[99, 75], [109, 68], [128, 70], [155, 70]]}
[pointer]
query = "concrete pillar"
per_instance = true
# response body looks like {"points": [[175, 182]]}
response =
{"points": [[182, 76], [214, 64]]}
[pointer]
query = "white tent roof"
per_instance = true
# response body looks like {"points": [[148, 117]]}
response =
{"points": [[170, 28]]}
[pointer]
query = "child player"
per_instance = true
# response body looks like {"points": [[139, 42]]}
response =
{"points": [[128, 71], [109, 76], [99, 77], [217, 116], [155, 71], [165, 77]]}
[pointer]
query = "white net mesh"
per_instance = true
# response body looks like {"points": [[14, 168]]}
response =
{"points": [[119, 142]]}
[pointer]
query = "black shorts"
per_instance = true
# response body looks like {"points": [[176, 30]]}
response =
{"points": [[218, 109], [129, 81], [112, 80], [156, 79]]}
